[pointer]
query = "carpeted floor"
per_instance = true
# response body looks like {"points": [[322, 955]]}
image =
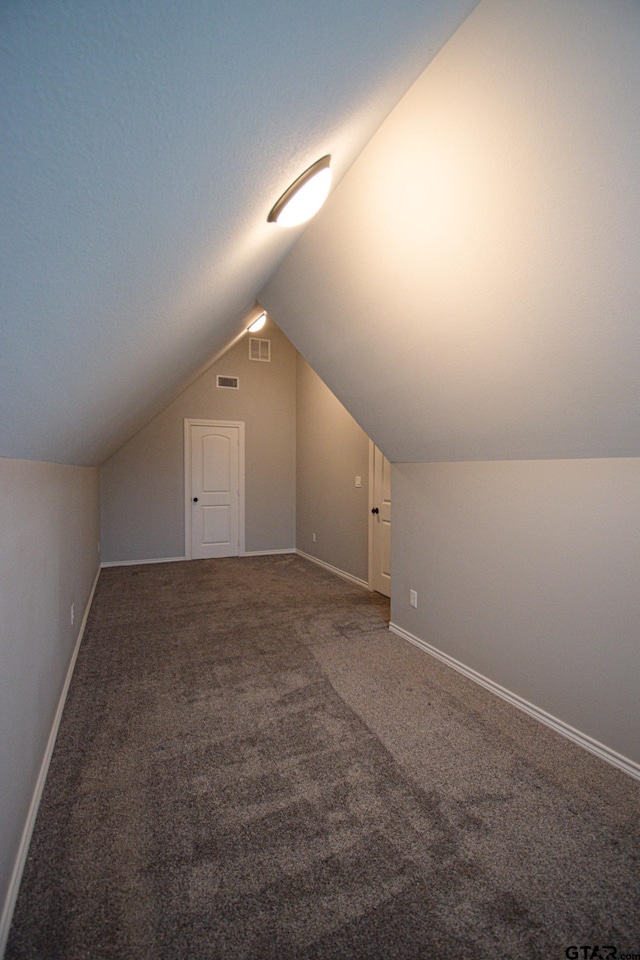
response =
{"points": [[251, 766]]}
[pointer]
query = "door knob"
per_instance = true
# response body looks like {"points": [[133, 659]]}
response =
{"points": [[195, 499], [374, 510]]}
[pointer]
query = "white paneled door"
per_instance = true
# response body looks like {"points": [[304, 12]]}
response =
{"points": [[381, 524], [213, 484]]}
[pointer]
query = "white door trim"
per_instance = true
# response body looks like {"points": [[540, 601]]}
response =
{"points": [[375, 534], [371, 506], [188, 423]]}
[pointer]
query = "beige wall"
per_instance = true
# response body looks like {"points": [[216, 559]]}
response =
{"points": [[527, 572], [470, 293], [49, 529], [331, 451], [142, 485]]}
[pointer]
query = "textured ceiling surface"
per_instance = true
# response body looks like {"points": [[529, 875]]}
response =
{"points": [[486, 304], [142, 147]]}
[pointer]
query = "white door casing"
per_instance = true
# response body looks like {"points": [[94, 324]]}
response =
{"points": [[380, 522], [214, 488]]}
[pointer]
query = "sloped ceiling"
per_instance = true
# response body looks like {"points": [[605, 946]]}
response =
{"points": [[142, 147], [471, 291]]}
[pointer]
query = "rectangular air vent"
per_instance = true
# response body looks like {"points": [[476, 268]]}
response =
{"points": [[259, 349], [231, 383]]}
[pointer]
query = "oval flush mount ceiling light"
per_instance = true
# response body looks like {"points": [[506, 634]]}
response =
{"points": [[305, 196], [258, 323]]}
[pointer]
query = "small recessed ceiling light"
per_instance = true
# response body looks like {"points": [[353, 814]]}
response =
{"points": [[305, 196], [258, 323]]}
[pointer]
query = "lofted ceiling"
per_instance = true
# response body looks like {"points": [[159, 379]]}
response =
{"points": [[143, 144], [471, 290]]}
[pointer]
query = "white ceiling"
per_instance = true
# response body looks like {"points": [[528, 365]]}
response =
{"points": [[142, 146], [471, 290]]}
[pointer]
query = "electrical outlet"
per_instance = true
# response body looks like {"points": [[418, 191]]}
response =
{"points": [[73, 613], [313, 537], [413, 598]]}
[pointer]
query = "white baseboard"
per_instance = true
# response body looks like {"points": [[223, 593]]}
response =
{"points": [[336, 570], [627, 766], [135, 563], [25, 840], [267, 553]]}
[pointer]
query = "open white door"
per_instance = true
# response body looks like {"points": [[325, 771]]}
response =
{"points": [[214, 489], [380, 527]]}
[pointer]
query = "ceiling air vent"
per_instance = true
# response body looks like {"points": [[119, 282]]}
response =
{"points": [[259, 349], [231, 383]]}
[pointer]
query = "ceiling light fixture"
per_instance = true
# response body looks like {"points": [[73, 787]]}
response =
{"points": [[304, 197], [258, 323]]}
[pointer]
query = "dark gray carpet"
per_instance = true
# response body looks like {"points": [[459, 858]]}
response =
{"points": [[251, 766]]}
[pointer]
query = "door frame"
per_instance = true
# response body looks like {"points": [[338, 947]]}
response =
{"points": [[372, 519], [371, 506], [188, 423]]}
